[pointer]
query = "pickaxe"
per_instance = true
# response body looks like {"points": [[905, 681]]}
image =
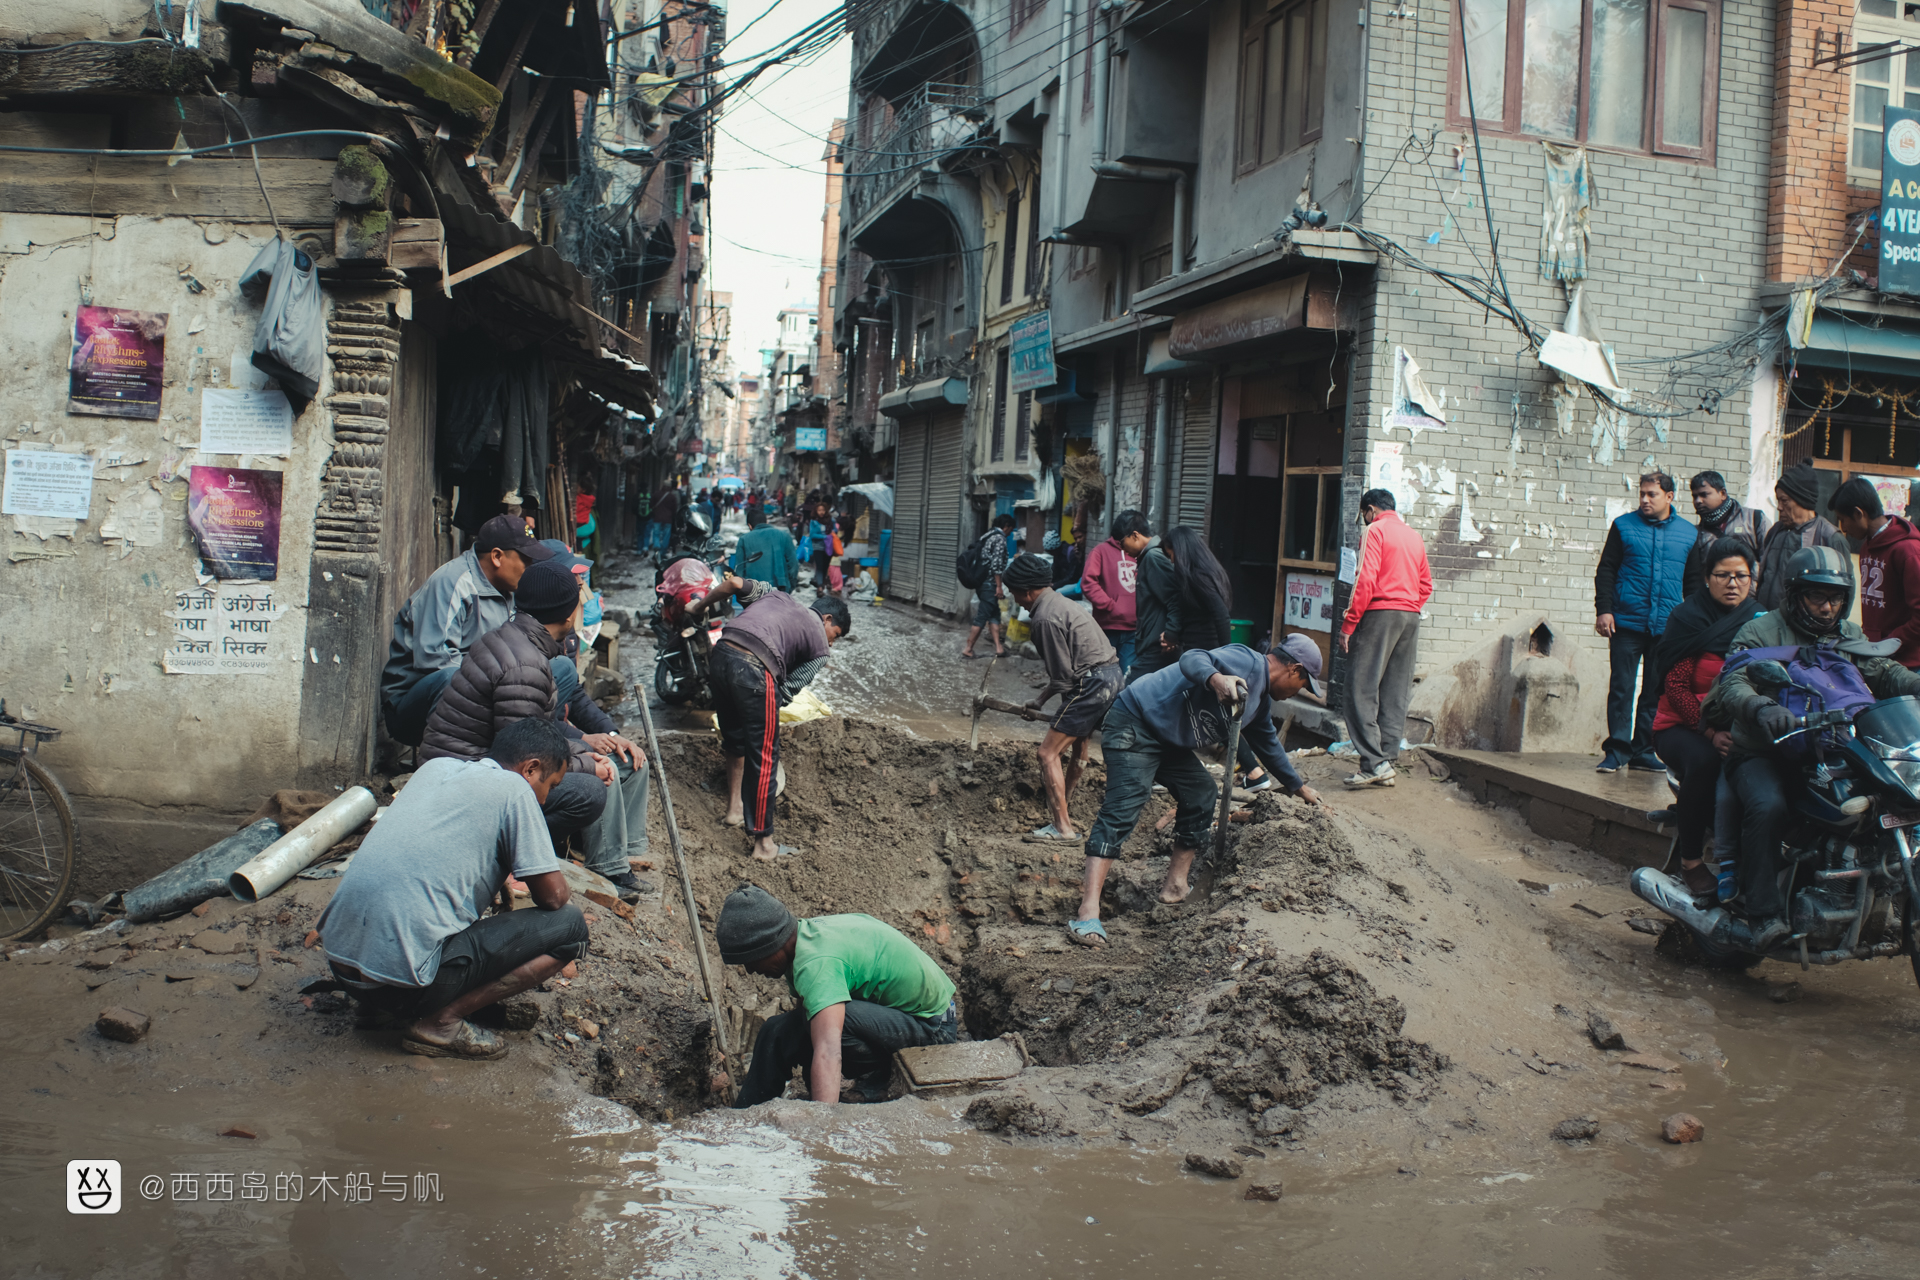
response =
{"points": [[982, 703]]}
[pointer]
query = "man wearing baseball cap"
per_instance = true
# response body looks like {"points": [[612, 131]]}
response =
{"points": [[865, 992], [1152, 735], [464, 599]]}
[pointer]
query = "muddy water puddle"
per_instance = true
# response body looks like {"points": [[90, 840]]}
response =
{"points": [[1807, 1169]]}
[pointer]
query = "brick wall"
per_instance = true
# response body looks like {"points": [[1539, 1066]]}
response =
{"points": [[1812, 202], [1678, 251]]}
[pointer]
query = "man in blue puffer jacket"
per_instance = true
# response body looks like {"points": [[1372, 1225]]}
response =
{"points": [[1636, 587]]}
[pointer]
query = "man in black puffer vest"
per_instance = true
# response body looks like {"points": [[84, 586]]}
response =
{"points": [[507, 676]]}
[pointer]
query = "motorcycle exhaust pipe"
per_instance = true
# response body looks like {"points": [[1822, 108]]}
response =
{"points": [[1670, 896]]}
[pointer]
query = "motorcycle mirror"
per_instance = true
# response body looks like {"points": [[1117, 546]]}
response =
{"points": [[1769, 673]]}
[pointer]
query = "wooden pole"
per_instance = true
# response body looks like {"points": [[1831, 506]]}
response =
{"points": [[686, 878]]}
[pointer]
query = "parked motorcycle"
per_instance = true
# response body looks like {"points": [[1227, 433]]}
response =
{"points": [[684, 634], [1849, 876]]}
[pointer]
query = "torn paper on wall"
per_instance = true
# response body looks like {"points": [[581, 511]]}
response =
{"points": [[135, 518], [1564, 220], [228, 630], [44, 527], [1411, 395], [1581, 358]]}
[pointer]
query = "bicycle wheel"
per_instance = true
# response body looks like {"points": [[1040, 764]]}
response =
{"points": [[36, 850]]}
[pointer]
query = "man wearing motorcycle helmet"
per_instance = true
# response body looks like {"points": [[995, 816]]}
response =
{"points": [[1813, 612]]}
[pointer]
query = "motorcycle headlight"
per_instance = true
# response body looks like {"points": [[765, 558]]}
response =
{"points": [[1908, 771]]}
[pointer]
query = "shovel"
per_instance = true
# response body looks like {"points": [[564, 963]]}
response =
{"points": [[1204, 881]]}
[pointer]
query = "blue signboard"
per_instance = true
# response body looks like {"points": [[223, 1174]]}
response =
{"points": [[1900, 202], [809, 439], [1030, 352]]}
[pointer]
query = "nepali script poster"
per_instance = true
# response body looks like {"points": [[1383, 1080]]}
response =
{"points": [[119, 357], [235, 517]]}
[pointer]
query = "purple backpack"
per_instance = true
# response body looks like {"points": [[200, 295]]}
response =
{"points": [[1820, 677]]}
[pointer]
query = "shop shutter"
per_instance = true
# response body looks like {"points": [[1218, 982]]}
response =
{"points": [[946, 477], [1198, 427], [909, 511]]}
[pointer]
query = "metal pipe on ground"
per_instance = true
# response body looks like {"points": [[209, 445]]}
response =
{"points": [[301, 847], [207, 874], [686, 878]]}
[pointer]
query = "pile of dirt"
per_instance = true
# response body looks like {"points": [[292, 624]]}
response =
{"points": [[926, 836]]}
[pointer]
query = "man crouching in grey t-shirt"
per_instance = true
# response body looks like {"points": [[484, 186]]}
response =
{"points": [[407, 931]]}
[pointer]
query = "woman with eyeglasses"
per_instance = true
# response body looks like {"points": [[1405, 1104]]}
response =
{"points": [[1687, 661]]}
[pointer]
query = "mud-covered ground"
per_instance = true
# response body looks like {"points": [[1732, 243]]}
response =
{"points": [[1346, 988]]}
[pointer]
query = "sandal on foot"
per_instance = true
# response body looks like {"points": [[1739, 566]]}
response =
{"points": [[733, 822], [968, 656], [1051, 834], [469, 1041], [1088, 933]]}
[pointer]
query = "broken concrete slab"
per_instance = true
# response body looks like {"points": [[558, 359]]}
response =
{"points": [[957, 1068]]}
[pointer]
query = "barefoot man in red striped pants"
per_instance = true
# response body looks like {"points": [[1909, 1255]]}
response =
{"points": [[766, 655]]}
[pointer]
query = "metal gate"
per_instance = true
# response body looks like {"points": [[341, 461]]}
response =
{"points": [[946, 480], [905, 558], [1199, 422]]}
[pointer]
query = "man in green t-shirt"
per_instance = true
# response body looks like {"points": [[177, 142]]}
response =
{"points": [[865, 990]]}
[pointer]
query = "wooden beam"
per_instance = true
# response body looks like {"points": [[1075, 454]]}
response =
{"points": [[145, 69], [106, 186], [478, 35], [488, 264]]}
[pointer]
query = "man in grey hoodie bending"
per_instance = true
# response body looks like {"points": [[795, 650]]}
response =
{"points": [[1152, 734]]}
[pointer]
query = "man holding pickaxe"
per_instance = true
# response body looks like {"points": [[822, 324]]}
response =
{"points": [[1152, 734], [1081, 667]]}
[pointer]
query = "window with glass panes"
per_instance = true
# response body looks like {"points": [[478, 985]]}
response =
{"points": [[1881, 82], [1632, 75]]}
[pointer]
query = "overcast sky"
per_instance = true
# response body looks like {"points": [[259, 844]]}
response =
{"points": [[769, 173]]}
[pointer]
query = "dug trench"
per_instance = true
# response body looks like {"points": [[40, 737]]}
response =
{"points": [[1358, 986]]}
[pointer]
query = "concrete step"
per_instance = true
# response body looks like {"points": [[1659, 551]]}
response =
{"points": [[1562, 798]]}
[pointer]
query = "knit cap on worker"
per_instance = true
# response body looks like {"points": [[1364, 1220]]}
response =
{"points": [[753, 925], [1027, 572], [548, 591]]}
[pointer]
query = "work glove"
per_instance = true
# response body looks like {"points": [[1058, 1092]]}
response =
{"points": [[1776, 721]]}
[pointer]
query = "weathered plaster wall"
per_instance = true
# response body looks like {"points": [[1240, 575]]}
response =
{"points": [[40, 23], [83, 623]]}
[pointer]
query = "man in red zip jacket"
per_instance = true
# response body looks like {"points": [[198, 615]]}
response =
{"points": [[1889, 567], [1380, 635]]}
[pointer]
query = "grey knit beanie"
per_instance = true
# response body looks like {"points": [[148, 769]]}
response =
{"points": [[753, 925]]}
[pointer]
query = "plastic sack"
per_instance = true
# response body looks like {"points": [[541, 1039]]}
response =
{"points": [[806, 705]]}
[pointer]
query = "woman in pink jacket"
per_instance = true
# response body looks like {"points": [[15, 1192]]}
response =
{"points": [[1112, 569]]}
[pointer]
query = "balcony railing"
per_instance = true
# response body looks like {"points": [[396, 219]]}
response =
{"points": [[932, 121]]}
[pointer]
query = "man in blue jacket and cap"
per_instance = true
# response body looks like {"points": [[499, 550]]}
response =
{"points": [[1152, 734], [1637, 585]]}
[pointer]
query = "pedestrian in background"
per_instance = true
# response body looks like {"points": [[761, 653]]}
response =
{"points": [[766, 554], [1797, 495], [1067, 565], [1636, 586], [1157, 615], [1889, 567], [821, 537], [1380, 634], [1108, 582], [1720, 517], [986, 611]]}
